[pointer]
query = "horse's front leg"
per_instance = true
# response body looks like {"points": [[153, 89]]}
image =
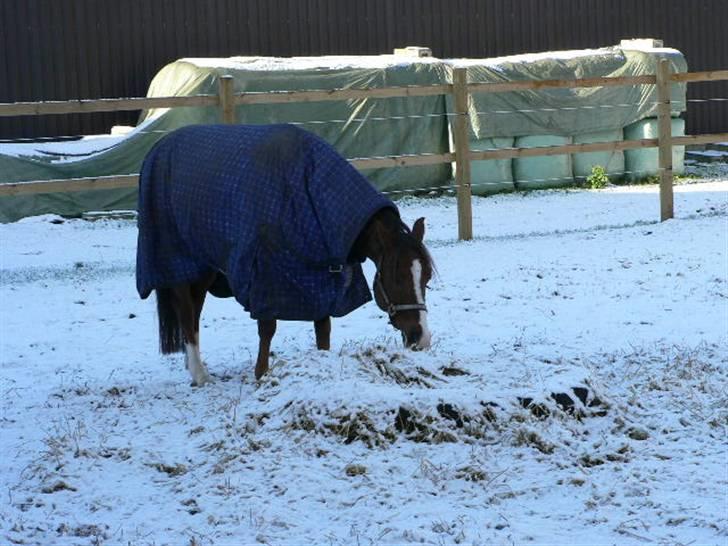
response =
{"points": [[266, 331], [323, 333]]}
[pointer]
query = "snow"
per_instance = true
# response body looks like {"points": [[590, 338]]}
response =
{"points": [[342, 62], [709, 155], [68, 151], [80, 148], [565, 55], [105, 442], [326, 62]]}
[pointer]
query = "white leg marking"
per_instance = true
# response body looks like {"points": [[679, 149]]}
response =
{"points": [[426, 338], [197, 368]]}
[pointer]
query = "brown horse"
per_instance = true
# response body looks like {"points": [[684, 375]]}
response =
{"points": [[404, 268], [275, 217]]}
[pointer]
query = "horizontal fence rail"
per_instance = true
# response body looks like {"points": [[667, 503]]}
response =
{"points": [[566, 149], [707, 76], [103, 105], [70, 184], [276, 97], [460, 89], [560, 84]]}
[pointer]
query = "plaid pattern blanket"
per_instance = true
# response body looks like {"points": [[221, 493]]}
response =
{"points": [[274, 208]]}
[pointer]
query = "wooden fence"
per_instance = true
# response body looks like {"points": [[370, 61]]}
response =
{"points": [[226, 100]]}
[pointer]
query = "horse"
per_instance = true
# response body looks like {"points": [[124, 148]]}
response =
{"points": [[273, 216]]}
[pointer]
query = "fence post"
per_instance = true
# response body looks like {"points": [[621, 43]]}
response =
{"points": [[664, 122], [461, 139], [227, 104]]}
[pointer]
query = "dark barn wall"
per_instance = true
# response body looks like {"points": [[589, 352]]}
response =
{"points": [[68, 49]]}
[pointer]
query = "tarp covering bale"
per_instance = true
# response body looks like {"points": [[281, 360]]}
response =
{"points": [[494, 175], [356, 128], [581, 114], [370, 127], [542, 172], [89, 157], [643, 163], [613, 161], [567, 111]]}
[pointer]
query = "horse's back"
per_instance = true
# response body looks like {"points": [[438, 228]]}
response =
{"points": [[217, 147], [275, 203]]}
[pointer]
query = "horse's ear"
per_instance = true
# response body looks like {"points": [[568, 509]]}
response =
{"points": [[418, 229]]}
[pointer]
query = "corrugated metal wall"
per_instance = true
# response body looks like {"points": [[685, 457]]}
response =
{"points": [[67, 49]]}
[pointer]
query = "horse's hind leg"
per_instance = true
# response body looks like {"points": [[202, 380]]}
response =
{"points": [[189, 299], [323, 333], [266, 331]]}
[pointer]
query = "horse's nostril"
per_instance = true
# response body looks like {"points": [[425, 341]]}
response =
{"points": [[412, 338]]}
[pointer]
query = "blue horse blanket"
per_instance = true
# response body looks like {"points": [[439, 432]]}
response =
{"points": [[274, 208]]}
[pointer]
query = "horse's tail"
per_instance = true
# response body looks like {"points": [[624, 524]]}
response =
{"points": [[171, 339]]}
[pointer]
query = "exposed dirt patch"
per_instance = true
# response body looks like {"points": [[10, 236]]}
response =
{"points": [[171, 470], [60, 485]]}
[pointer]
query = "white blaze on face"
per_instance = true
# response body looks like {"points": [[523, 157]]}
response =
{"points": [[425, 340]]}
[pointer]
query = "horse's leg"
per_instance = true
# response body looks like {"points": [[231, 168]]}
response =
{"points": [[323, 333], [188, 305], [266, 331], [198, 291]]}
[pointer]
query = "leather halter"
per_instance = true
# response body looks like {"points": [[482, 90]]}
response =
{"points": [[391, 308]]}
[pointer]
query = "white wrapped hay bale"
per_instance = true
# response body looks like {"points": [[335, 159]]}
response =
{"points": [[492, 175], [543, 171], [612, 161], [645, 162]]}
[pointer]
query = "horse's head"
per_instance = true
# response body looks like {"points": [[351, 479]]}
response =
{"points": [[401, 282]]}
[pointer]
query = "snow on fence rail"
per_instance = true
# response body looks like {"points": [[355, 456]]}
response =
{"points": [[461, 90]]}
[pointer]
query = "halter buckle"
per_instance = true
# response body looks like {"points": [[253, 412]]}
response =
{"points": [[336, 268]]}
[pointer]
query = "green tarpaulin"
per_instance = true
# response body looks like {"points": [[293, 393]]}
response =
{"points": [[357, 128], [567, 111]]}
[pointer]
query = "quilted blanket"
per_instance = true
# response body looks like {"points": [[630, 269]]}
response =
{"points": [[274, 208]]}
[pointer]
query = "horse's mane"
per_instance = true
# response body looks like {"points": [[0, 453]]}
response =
{"points": [[403, 238], [406, 239]]}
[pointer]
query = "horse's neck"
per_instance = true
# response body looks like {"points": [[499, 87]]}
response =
{"points": [[379, 236]]}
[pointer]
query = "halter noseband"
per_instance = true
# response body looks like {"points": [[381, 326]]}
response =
{"points": [[391, 308]]}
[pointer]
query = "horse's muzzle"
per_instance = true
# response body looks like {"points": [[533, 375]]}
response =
{"points": [[417, 339]]}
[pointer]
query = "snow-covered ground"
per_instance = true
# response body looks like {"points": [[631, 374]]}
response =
{"points": [[575, 393]]}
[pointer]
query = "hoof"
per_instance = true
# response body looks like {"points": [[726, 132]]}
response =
{"points": [[202, 381]]}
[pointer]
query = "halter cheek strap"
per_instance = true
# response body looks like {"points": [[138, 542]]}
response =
{"points": [[391, 308]]}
